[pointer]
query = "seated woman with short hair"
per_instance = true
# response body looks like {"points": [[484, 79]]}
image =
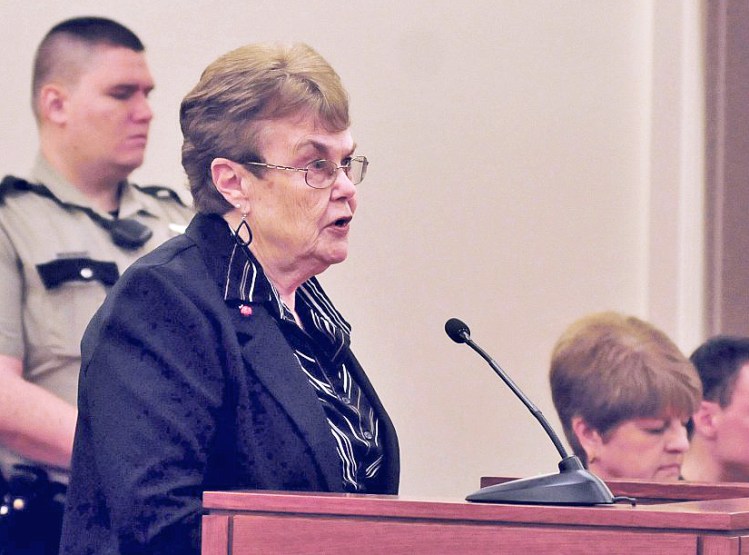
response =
{"points": [[624, 392]]}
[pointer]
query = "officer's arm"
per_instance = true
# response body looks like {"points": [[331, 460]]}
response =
{"points": [[34, 422]]}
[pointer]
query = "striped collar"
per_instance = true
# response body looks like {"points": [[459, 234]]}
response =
{"points": [[246, 284]]}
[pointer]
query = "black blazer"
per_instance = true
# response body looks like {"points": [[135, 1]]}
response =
{"points": [[179, 393]]}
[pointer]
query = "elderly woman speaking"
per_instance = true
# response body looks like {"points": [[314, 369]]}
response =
{"points": [[217, 361]]}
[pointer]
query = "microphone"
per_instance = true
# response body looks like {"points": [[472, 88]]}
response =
{"points": [[457, 330], [574, 485]]}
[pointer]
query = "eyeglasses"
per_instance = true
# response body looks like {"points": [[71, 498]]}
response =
{"points": [[321, 174]]}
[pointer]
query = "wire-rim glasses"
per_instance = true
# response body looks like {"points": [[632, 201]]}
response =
{"points": [[321, 174]]}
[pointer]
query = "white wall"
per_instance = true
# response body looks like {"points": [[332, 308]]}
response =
{"points": [[532, 161]]}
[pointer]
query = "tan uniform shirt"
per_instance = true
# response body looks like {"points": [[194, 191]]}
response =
{"points": [[42, 325]]}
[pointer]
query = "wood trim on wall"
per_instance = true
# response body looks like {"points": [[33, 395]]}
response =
{"points": [[727, 166], [675, 173]]}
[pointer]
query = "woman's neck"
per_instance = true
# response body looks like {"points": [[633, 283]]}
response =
{"points": [[285, 283]]}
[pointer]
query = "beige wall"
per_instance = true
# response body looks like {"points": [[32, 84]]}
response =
{"points": [[532, 160]]}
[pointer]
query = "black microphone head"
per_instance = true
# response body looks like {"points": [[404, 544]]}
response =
{"points": [[457, 330]]}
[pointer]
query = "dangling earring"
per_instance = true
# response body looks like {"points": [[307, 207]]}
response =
{"points": [[243, 225]]}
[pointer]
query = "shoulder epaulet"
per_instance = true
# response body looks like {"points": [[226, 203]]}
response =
{"points": [[10, 184], [126, 233], [160, 192]]}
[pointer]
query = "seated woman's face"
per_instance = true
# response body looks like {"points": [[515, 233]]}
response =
{"points": [[643, 448]]}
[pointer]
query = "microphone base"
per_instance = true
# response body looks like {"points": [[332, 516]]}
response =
{"points": [[574, 485]]}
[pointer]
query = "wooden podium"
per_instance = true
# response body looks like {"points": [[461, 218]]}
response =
{"points": [[283, 522]]}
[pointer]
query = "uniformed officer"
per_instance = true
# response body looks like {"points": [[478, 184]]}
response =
{"points": [[71, 228]]}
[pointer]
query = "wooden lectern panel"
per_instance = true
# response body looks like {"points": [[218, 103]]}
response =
{"points": [[276, 522], [215, 534], [344, 536]]}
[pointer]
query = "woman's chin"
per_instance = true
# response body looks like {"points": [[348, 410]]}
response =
{"points": [[672, 472]]}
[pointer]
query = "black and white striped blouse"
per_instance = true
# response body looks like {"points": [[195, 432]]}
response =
{"points": [[319, 346]]}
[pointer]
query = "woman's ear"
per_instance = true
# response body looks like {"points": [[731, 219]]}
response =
{"points": [[230, 180], [588, 437]]}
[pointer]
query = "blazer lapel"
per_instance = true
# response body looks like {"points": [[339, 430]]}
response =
{"points": [[269, 356], [266, 352]]}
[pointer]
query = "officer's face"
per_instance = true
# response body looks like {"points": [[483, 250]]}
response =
{"points": [[730, 430], [107, 112]]}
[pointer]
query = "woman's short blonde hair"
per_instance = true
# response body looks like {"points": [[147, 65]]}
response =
{"points": [[608, 368], [223, 115]]}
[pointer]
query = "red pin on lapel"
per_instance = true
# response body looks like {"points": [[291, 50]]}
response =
{"points": [[245, 310]]}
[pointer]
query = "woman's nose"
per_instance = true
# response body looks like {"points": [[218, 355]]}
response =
{"points": [[678, 440], [342, 185]]}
